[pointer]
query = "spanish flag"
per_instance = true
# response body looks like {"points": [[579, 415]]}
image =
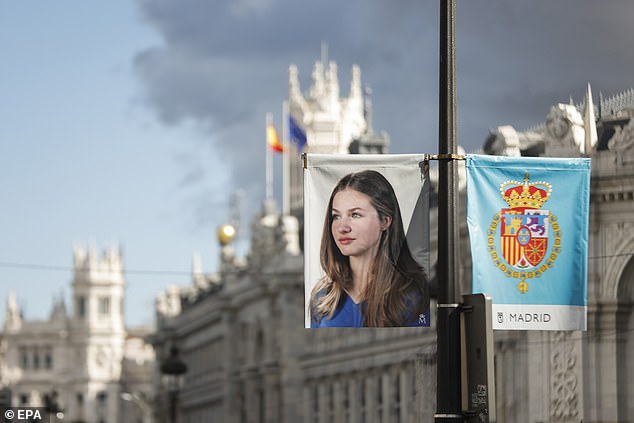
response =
{"points": [[271, 137]]}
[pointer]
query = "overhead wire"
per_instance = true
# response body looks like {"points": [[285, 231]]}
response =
{"points": [[585, 335], [35, 266], [32, 266]]}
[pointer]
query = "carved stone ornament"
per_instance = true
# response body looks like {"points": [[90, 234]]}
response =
{"points": [[623, 138], [564, 404], [564, 127], [102, 357]]}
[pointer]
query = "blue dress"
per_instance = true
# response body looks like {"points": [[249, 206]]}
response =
{"points": [[349, 314]]}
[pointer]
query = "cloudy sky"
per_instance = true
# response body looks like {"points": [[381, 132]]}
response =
{"points": [[134, 122]]}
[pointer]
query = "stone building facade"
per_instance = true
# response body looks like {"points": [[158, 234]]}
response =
{"points": [[240, 331], [81, 360]]}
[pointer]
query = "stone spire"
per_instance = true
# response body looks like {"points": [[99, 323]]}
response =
{"points": [[589, 123], [355, 83], [367, 110], [198, 278], [13, 316], [318, 87], [59, 309], [293, 82], [333, 85]]}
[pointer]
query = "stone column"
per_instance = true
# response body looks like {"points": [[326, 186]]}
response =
{"points": [[605, 394]]}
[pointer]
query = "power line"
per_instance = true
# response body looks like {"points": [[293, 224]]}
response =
{"points": [[610, 256], [31, 266]]}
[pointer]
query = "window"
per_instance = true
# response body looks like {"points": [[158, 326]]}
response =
{"points": [[362, 400], [102, 398], [315, 403], [81, 306], [345, 400], [330, 410], [379, 398], [396, 400], [48, 360], [242, 405], [104, 306], [36, 360], [24, 358], [259, 345], [262, 403], [24, 399]]}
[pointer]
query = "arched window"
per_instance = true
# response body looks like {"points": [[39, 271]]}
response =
{"points": [[104, 306], [81, 306], [24, 358], [48, 360], [36, 359]]}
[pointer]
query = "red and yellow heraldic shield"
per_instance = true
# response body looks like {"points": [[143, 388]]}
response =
{"points": [[524, 236], [523, 230]]}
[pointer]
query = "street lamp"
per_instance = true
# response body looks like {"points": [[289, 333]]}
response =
{"points": [[52, 406], [173, 368], [139, 400]]}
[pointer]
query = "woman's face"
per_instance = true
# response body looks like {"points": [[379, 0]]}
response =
{"points": [[356, 226]]}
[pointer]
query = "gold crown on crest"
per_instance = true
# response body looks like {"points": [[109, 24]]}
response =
{"points": [[524, 194]]}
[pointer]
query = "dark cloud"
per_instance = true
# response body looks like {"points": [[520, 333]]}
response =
{"points": [[516, 59], [224, 64]]}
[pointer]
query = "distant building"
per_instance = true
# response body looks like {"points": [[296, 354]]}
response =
{"points": [[240, 331], [79, 363]]}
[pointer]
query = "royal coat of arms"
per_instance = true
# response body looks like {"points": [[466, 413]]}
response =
{"points": [[529, 237]]}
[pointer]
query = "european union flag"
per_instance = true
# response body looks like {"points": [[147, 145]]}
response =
{"points": [[528, 226], [297, 134]]}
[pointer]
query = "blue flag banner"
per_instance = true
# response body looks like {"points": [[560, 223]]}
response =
{"points": [[296, 133], [528, 226]]}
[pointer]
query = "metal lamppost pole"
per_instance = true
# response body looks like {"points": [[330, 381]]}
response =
{"points": [[52, 406], [173, 368], [448, 388]]}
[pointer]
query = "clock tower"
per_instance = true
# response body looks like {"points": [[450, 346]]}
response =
{"points": [[97, 334]]}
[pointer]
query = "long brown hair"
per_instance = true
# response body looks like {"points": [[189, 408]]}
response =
{"points": [[397, 291]]}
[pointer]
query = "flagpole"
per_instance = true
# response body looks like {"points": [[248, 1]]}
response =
{"points": [[286, 162], [269, 160]]}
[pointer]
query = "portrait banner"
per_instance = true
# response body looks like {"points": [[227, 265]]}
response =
{"points": [[528, 227], [358, 203]]}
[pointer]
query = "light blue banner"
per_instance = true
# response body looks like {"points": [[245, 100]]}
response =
{"points": [[528, 226]]}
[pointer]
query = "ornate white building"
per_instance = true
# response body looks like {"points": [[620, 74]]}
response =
{"points": [[82, 360], [332, 124], [241, 333]]}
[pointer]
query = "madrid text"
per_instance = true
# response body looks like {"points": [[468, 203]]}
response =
{"points": [[530, 317]]}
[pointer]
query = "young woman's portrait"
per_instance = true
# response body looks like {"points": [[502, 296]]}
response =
{"points": [[368, 276]]}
